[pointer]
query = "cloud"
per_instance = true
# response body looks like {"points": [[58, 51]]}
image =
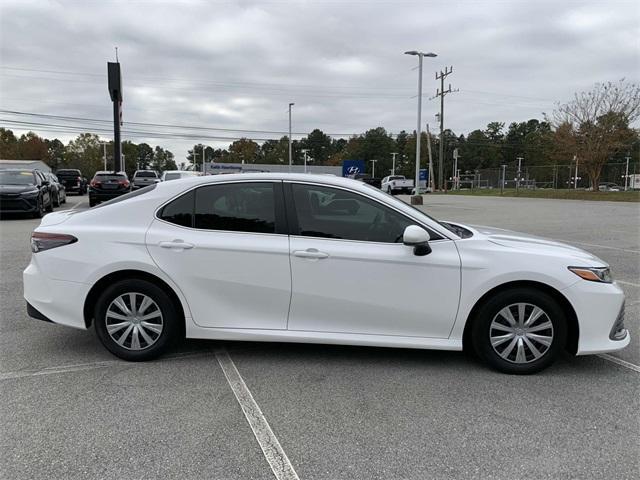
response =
{"points": [[238, 64]]}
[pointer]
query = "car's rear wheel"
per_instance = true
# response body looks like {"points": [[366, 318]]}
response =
{"points": [[135, 320], [520, 331], [56, 200], [39, 213]]}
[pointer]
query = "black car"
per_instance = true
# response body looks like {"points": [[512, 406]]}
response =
{"points": [[56, 189], [107, 185], [24, 191], [73, 180]]}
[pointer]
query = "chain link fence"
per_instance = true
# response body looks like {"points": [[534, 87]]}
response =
{"points": [[542, 176]]}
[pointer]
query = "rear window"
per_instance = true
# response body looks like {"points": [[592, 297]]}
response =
{"points": [[146, 174], [68, 172], [172, 176], [109, 176]]}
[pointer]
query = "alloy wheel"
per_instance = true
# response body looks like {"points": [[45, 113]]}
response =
{"points": [[521, 333], [134, 321]]}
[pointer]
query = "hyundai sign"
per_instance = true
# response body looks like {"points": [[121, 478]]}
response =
{"points": [[351, 168]]}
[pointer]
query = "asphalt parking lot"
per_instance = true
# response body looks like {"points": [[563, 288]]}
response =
{"points": [[70, 410]]}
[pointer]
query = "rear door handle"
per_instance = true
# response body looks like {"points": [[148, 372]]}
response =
{"points": [[177, 245], [310, 253]]}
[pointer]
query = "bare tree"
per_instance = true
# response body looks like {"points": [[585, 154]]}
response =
{"points": [[595, 124]]}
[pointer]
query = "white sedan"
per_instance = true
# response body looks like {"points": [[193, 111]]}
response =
{"points": [[318, 259]]}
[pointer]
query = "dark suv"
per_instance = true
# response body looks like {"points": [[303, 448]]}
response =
{"points": [[107, 185], [72, 180], [24, 191]]}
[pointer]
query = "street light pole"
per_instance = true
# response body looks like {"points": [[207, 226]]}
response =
{"points": [[304, 152], [420, 55], [373, 168], [626, 174], [204, 156], [290, 157], [393, 166]]}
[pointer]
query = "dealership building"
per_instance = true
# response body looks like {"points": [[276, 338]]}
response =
{"points": [[220, 168]]}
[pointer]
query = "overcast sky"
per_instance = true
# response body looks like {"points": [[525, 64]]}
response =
{"points": [[237, 64]]}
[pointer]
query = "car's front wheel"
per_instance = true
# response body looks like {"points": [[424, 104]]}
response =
{"points": [[520, 331], [135, 320]]}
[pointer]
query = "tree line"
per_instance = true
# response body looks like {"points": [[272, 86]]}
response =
{"points": [[86, 152], [594, 128]]}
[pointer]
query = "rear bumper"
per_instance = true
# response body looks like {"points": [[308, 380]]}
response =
{"points": [[43, 296], [102, 195]]}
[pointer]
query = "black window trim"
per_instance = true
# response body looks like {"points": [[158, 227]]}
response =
{"points": [[295, 228], [281, 225]]}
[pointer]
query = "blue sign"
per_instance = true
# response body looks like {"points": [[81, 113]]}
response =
{"points": [[423, 174], [351, 168]]}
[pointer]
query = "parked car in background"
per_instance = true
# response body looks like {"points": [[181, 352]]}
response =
{"points": [[108, 185], [73, 180], [56, 189], [322, 259], [609, 187], [177, 174], [394, 184], [24, 191], [144, 178], [368, 179]]}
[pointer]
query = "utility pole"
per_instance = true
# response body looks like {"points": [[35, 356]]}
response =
{"points": [[441, 92], [519, 174], [204, 156], [304, 152], [626, 173], [432, 182], [455, 185], [504, 173], [104, 154], [373, 168], [393, 166], [575, 179], [290, 157]]}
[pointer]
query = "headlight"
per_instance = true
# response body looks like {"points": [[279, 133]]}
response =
{"points": [[593, 274], [30, 194]]}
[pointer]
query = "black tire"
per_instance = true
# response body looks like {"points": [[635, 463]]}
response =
{"points": [[171, 321], [50, 206], [39, 213], [56, 203], [481, 331], [92, 202]]}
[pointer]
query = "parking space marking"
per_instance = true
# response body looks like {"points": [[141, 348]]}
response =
{"points": [[79, 367], [271, 448], [622, 363], [628, 250], [628, 283]]}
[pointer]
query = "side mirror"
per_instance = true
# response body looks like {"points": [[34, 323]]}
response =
{"points": [[418, 238]]}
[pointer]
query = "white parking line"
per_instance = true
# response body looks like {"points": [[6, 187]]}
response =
{"points": [[628, 250], [622, 363], [79, 367], [628, 283], [271, 448]]}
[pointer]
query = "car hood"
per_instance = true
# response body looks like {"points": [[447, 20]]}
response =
{"points": [[534, 244], [17, 188]]}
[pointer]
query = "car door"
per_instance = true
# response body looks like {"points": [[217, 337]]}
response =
{"points": [[352, 274], [226, 247]]}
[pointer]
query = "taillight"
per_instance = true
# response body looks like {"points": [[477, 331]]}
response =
{"points": [[95, 183], [41, 241], [124, 183]]}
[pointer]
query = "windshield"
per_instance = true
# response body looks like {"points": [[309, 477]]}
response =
{"points": [[17, 178]]}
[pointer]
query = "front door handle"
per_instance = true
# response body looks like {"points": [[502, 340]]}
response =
{"points": [[310, 253], [177, 244]]}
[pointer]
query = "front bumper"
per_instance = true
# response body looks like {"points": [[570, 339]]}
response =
{"points": [[598, 308], [17, 204]]}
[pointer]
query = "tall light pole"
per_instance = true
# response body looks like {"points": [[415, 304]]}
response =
{"points": [[626, 174], [393, 159], [414, 199], [204, 149], [304, 152], [104, 154], [290, 157], [373, 168]]}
